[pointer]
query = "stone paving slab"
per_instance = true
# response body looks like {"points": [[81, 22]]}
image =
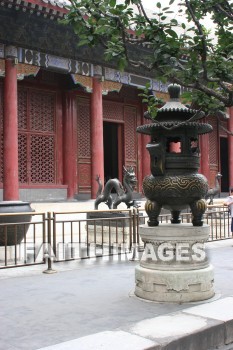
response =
{"points": [[117, 340]]}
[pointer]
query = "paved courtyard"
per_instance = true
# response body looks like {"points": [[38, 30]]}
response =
{"points": [[90, 304]]}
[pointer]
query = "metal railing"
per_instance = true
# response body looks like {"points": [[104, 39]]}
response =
{"points": [[20, 241], [78, 235], [63, 236]]}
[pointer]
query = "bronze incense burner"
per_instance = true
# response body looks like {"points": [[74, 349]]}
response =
{"points": [[175, 183]]}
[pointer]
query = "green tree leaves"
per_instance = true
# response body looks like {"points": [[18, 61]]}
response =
{"points": [[181, 48]]}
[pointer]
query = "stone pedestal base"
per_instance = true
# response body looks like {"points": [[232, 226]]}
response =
{"points": [[174, 286], [174, 266], [106, 228]]}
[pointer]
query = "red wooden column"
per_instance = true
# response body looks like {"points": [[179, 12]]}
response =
{"points": [[97, 142], [10, 134], [205, 161], [230, 147], [69, 145]]}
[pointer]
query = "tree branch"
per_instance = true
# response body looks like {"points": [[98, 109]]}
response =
{"points": [[203, 38]]}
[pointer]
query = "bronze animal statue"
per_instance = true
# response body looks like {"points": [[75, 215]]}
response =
{"points": [[212, 192], [124, 192]]}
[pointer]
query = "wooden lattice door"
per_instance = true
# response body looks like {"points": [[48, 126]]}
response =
{"points": [[84, 145]]}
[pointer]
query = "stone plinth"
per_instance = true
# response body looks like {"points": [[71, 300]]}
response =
{"points": [[174, 266], [110, 228]]}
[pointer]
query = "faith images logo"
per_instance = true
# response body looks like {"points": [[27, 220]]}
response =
{"points": [[182, 251], [165, 252]]}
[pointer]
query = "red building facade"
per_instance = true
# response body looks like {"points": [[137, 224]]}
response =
{"points": [[66, 117]]}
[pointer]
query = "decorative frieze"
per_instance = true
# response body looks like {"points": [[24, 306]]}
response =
{"points": [[79, 70], [98, 71], [2, 54], [52, 9], [86, 82], [23, 70], [108, 86], [116, 75], [2, 68], [136, 80], [57, 63], [11, 52]]}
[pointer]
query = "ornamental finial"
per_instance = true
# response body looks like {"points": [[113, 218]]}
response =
{"points": [[174, 91]]}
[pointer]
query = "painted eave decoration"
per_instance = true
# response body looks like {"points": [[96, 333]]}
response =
{"points": [[86, 82], [23, 70], [52, 9]]}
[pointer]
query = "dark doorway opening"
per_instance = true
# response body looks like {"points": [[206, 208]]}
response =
{"points": [[110, 151], [224, 164]]}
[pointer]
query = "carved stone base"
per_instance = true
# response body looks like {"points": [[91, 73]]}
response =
{"points": [[174, 286], [174, 266]]}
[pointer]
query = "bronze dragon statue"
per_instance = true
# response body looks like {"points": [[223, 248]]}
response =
{"points": [[124, 192]]}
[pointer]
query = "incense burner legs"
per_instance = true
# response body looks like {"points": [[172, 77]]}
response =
{"points": [[175, 193], [198, 209]]}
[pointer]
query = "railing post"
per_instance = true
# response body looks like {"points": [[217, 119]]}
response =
{"points": [[134, 226], [49, 257], [134, 245], [54, 233]]}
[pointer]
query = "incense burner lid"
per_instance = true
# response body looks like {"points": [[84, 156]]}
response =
{"points": [[174, 111], [151, 129]]}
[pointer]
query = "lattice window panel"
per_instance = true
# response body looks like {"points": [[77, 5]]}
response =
{"points": [[84, 175], [113, 111], [42, 159], [130, 134], [22, 109], [213, 141], [22, 152], [84, 132], [42, 111]]}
